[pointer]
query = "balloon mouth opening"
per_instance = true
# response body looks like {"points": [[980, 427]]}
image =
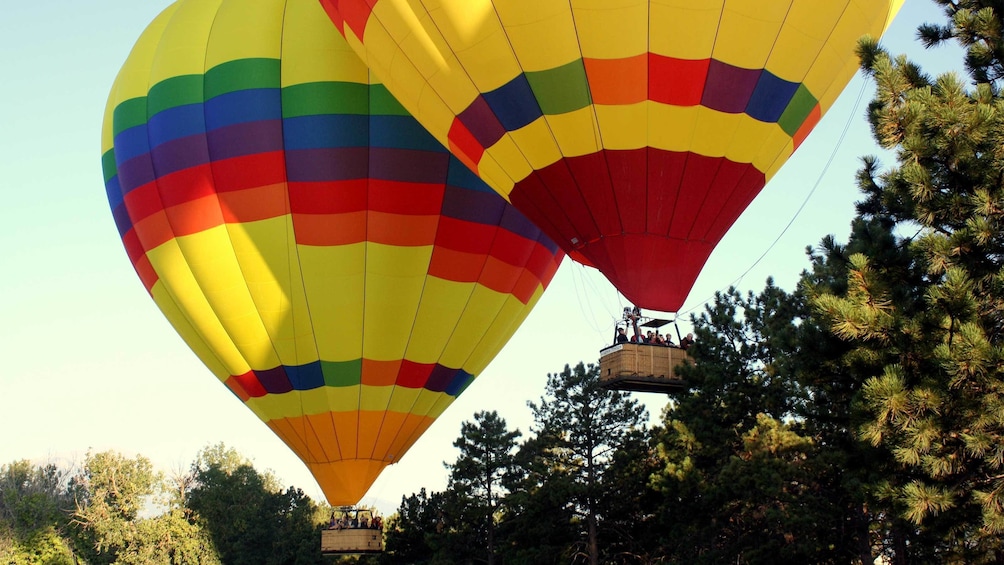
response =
{"points": [[346, 482], [653, 272]]}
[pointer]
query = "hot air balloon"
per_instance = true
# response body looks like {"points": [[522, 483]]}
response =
{"points": [[633, 132], [321, 253]]}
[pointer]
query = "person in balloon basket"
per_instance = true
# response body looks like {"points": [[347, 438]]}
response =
{"points": [[621, 336], [686, 342]]}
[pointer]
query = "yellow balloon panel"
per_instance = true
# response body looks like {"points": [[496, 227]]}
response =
{"points": [[182, 287], [747, 32], [684, 29], [187, 33], [334, 279], [531, 27], [249, 29], [614, 29], [576, 133]]}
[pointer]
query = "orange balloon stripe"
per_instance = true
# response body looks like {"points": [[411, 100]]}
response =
{"points": [[236, 386], [344, 425], [390, 428], [190, 217], [316, 229], [509, 250], [146, 273], [291, 437], [320, 434], [412, 429], [810, 122], [526, 286], [400, 229], [380, 373], [453, 265], [254, 203], [618, 81]]}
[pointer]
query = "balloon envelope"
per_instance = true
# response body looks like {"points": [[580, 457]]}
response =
{"points": [[320, 252], [633, 132]]}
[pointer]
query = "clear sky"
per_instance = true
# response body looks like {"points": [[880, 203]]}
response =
{"points": [[89, 362]]}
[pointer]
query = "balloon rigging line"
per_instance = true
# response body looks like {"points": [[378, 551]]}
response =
{"points": [[805, 201], [580, 294]]}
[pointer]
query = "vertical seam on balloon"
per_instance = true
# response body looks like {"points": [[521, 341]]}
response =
{"points": [[294, 253], [694, 233], [369, 176], [693, 133], [375, 16], [781, 153], [648, 117], [366, 256], [237, 260], [718, 213], [439, 218], [212, 173], [597, 137], [167, 287], [149, 142]]}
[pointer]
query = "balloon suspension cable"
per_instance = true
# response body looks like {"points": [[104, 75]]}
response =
{"points": [[819, 180], [582, 295]]}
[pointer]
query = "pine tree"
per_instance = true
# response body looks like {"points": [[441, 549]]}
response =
{"points": [[927, 320], [479, 475], [745, 478], [579, 427]]}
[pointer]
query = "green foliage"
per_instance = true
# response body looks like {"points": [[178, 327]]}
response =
{"points": [[923, 320], [111, 492], [249, 519], [41, 546], [34, 506], [407, 532], [743, 476], [117, 509], [579, 427], [477, 480]]}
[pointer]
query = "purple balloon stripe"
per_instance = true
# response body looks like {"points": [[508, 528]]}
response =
{"points": [[408, 165], [479, 119], [328, 164], [246, 138], [728, 88]]}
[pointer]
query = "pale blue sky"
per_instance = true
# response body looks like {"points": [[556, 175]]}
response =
{"points": [[89, 361]]}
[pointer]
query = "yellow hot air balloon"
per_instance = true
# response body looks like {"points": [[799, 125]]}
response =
{"points": [[326, 258], [633, 132]]}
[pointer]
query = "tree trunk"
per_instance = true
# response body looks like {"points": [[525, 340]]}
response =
{"points": [[899, 556], [594, 557], [491, 512], [862, 533]]}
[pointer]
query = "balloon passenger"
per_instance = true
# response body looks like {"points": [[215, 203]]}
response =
{"points": [[621, 336]]}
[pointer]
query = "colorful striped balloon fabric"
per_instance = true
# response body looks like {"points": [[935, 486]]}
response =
{"points": [[321, 253], [633, 132]]}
